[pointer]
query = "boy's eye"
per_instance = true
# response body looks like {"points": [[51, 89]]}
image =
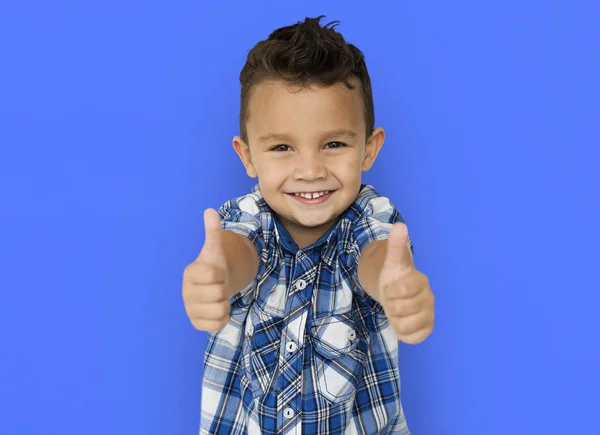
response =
{"points": [[283, 147], [335, 145], [280, 148]]}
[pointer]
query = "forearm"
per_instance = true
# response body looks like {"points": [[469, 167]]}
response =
{"points": [[242, 261], [369, 267]]}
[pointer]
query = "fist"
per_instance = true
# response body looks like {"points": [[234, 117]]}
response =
{"points": [[205, 280], [406, 297]]}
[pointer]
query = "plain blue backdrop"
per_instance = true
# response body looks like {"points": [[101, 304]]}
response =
{"points": [[116, 120]]}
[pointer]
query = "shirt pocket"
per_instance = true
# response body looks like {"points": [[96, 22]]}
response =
{"points": [[340, 350], [261, 352]]}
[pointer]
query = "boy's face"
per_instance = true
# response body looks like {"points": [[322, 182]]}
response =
{"points": [[307, 141]]}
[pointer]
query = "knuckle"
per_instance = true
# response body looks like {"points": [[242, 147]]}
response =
{"points": [[395, 307], [403, 290], [197, 323], [405, 327], [412, 339], [223, 310], [213, 273], [187, 291], [187, 271], [390, 290], [389, 308], [220, 291], [204, 325], [193, 271], [203, 273], [209, 274], [398, 306]]}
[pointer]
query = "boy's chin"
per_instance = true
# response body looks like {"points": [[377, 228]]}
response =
{"points": [[315, 221]]}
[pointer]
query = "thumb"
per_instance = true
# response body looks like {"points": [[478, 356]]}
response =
{"points": [[213, 240], [398, 254]]}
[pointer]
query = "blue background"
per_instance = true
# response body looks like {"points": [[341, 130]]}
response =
{"points": [[116, 120]]}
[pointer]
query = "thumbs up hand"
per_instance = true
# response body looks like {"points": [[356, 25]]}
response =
{"points": [[205, 280], [404, 292]]}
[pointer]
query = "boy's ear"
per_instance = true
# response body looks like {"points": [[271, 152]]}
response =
{"points": [[372, 148], [243, 150]]}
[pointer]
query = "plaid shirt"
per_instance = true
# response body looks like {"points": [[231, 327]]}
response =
{"points": [[306, 350]]}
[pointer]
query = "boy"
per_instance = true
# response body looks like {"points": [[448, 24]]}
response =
{"points": [[307, 283]]}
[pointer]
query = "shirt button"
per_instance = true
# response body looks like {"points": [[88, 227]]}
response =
{"points": [[250, 329], [288, 413], [301, 284], [351, 334], [291, 347]]}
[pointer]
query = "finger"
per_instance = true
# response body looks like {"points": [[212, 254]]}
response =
{"points": [[406, 307], [213, 240], [199, 273], [211, 293], [209, 325], [398, 254], [416, 337], [204, 293], [409, 326], [209, 311], [406, 287]]}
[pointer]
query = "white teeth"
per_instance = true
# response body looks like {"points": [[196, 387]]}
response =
{"points": [[312, 195]]}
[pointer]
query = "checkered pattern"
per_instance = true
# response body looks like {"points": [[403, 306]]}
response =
{"points": [[306, 350]]}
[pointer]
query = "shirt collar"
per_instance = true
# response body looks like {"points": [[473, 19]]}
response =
{"points": [[291, 247]]}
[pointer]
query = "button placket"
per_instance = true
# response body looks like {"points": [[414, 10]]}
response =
{"points": [[290, 384]]}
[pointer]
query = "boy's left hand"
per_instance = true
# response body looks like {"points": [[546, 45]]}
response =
{"points": [[405, 295]]}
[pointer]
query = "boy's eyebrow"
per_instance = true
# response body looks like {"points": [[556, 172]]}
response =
{"points": [[274, 136], [327, 136], [339, 133]]}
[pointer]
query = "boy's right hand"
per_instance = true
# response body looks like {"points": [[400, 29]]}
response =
{"points": [[205, 280]]}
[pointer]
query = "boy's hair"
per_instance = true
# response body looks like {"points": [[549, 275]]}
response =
{"points": [[306, 53]]}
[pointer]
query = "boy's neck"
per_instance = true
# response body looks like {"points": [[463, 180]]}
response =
{"points": [[306, 236]]}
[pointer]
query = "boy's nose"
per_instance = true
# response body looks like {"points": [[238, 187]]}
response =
{"points": [[311, 168]]}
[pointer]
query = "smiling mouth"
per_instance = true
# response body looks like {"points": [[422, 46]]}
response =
{"points": [[312, 198], [311, 195]]}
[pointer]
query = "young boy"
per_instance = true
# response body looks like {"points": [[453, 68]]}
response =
{"points": [[307, 283]]}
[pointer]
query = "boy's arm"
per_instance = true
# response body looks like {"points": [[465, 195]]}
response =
{"points": [[242, 261], [386, 272]]}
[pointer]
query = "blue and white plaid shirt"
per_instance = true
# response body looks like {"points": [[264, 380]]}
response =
{"points": [[306, 350]]}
